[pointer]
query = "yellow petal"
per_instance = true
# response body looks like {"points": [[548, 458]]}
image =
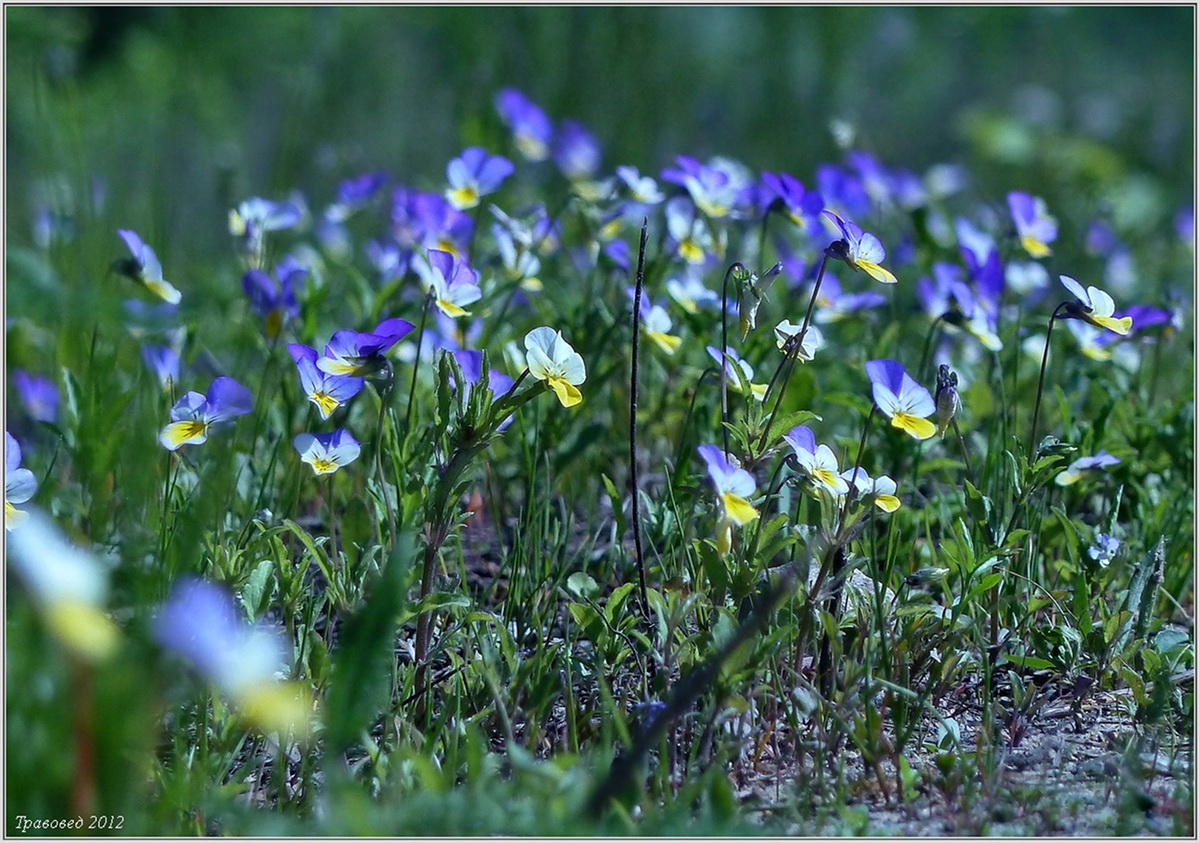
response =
{"points": [[691, 251], [738, 509], [325, 402], [1066, 478], [567, 394], [82, 628], [666, 342], [463, 198], [13, 516], [1117, 326], [1035, 247], [876, 271], [914, 426], [276, 707], [178, 434], [888, 503], [450, 309]]}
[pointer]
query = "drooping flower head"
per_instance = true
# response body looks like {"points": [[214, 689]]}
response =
{"points": [[879, 490], [200, 624], [900, 398], [143, 266], [450, 281], [734, 487], [326, 391], [1092, 466], [363, 354], [38, 395], [274, 298], [19, 483], [859, 249], [1035, 227], [194, 414], [552, 360], [327, 452], [531, 128], [818, 462], [1095, 307], [473, 174]]}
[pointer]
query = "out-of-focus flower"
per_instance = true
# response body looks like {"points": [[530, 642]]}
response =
{"points": [[194, 414], [531, 128], [1105, 549], [326, 391], [716, 188], [353, 194], [200, 624], [946, 297], [68, 584], [473, 174], [363, 354], [785, 337], [657, 324], [788, 195], [38, 395], [691, 294], [879, 490], [520, 261], [1185, 226], [859, 249], [450, 282], [424, 221], [900, 398], [576, 151], [163, 361], [833, 304], [643, 190], [250, 221], [143, 266], [757, 390], [818, 462], [551, 359], [734, 487], [1095, 307], [689, 236], [1092, 466], [274, 299], [19, 483], [327, 452], [1035, 227]]}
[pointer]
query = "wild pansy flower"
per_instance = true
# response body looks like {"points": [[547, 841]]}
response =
{"points": [[38, 395], [274, 299], [250, 221], [363, 354], [842, 191], [1094, 342], [550, 359], [859, 249], [532, 228], [427, 221], [643, 190], [326, 391], [689, 236], [690, 293], [451, 283], [19, 483], [1026, 278], [531, 128], [519, 260], [327, 452], [1151, 320], [833, 304], [818, 462], [757, 390], [163, 362], [471, 364], [576, 151], [194, 414], [786, 333], [353, 194], [1095, 307], [900, 398], [200, 624], [68, 583], [879, 490], [946, 398], [715, 188], [734, 487], [473, 174], [1105, 549], [946, 297], [656, 323], [788, 195], [1092, 466], [1035, 227], [143, 267]]}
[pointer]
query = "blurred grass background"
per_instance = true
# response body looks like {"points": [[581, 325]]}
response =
{"points": [[181, 111]]}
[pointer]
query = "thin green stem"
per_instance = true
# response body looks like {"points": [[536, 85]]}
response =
{"points": [[633, 406], [724, 352], [1037, 404]]}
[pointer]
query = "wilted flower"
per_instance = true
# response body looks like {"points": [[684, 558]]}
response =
{"points": [[1095, 307], [194, 414], [473, 174], [859, 249], [734, 487], [1084, 467], [552, 360], [1035, 227], [144, 268], [327, 452], [19, 483], [900, 398]]}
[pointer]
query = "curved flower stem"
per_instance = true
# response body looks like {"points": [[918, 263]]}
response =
{"points": [[384, 393], [795, 344], [412, 387], [962, 443], [929, 344], [1037, 404], [724, 351], [633, 405]]}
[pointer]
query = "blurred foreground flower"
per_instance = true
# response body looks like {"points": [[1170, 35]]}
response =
{"points": [[900, 398], [38, 395], [19, 483], [144, 268], [327, 452], [68, 583], [200, 624], [734, 487], [530, 126], [1035, 227], [552, 360], [194, 414]]}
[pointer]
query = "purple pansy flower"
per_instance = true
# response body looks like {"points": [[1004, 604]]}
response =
{"points": [[327, 452], [274, 298], [530, 126], [900, 398], [143, 267], [818, 462], [19, 483], [194, 414], [859, 249], [450, 282], [326, 391], [787, 193], [473, 174], [362, 354], [1085, 466], [576, 151], [1035, 227], [163, 361], [38, 395]]}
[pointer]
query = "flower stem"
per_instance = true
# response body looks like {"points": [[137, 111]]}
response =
{"points": [[633, 406], [412, 387], [725, 351], [1037, 404]]}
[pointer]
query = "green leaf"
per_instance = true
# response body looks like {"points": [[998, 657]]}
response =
{"points": [[787, 421], [256, 593], [583, 585]]}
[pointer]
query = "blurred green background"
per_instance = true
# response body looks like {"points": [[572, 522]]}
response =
{"points": [[177, 112]]}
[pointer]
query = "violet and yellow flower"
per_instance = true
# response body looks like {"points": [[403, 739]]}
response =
{"points": [[424, 221], [734, 488], [194, 414], [531, 128], [948, 298], [817, 462], [787, 194], [327, 452], [450, 282], [901, 399], [688, 234], [143, 267], [551, 359], [38, 395], [690, 292], [255, 216], [363, 354], [200, 624], [859, 249], [716, 188], [326, 391], [473, 174], [1035, 227], [1095, 307], [68, 583], [19, 483], [1092, 466], [880, 490], [834, 304], [656, 324], [757, 390], [274, 298]]}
